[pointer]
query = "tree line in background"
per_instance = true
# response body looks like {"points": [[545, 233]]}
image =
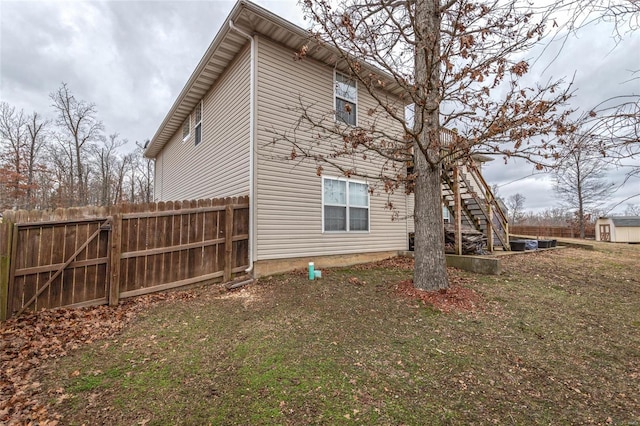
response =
{"points": [[69, 160]]}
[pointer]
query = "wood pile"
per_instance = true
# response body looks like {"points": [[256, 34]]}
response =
{"points": [[473, 241]]}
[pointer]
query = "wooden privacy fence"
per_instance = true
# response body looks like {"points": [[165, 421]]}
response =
{"points": [[90, 256], [552, 231]]}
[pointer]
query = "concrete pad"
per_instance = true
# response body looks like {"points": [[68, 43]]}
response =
{"points": [[487, 265], [477, 264]]}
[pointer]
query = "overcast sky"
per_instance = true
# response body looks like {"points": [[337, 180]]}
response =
{"points": [[132, 58]]}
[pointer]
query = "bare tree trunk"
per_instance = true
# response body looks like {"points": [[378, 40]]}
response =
{"points": [[82, 193], [430, 263], [581, 212], [35, 128], [579, 194]]}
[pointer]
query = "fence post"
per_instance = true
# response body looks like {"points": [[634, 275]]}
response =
{"points": [[228, 242], [5, 260], [114, 259]]}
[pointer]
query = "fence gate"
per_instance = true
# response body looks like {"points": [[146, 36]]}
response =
{"points": [[61, 263]]}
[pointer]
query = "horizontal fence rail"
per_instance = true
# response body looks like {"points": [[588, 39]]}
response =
{"points": [[90, 256]]}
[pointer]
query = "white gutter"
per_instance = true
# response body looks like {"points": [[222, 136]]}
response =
{"points": [[252, 129]]}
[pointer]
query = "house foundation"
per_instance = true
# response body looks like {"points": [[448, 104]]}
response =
{"points": [[278, 266]]}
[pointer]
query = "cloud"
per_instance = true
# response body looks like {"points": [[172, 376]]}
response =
{"points": [[132, 59]]}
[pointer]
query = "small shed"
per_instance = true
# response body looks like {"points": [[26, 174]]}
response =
{"points": [[618, 229]]}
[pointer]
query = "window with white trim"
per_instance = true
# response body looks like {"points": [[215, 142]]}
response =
{"points": [[346, 99], [186, 129], [345, 205], [198, 124]]}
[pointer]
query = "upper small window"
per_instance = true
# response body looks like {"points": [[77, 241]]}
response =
{"points": [[346, 96], [198, 120], [186, 129]]}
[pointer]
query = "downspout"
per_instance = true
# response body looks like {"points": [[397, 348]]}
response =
{"points": [[252, 129]]}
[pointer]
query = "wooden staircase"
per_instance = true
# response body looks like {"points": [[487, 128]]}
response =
{"points": [[477, 205]]}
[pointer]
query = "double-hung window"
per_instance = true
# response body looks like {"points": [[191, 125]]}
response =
{"points": [[198, 123], [346, 98], [186, 129], [345, 205]]}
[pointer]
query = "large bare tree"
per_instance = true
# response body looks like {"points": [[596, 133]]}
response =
{"points": [[13, 140], [111, 167], [21, 140], [457, 64], [580, 179], [79, 128], [36, 128], [515, 204]]}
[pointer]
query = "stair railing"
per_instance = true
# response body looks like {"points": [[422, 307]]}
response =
{"points": [[498, 216]]}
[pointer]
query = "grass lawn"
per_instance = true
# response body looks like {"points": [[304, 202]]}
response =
{"points": [[556, 341]]}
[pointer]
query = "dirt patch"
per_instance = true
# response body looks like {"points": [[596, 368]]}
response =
{"points": [[247, 295]]}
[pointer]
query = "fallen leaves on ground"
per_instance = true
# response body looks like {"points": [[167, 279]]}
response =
{"points": [[30, 340], [397, 262], [457, 298]]}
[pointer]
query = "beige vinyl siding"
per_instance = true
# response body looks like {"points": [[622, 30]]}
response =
{"points": [[289, 192], [627, 234], [219, 165]]}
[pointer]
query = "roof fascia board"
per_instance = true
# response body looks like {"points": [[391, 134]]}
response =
{"points": [[153, 150]]}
